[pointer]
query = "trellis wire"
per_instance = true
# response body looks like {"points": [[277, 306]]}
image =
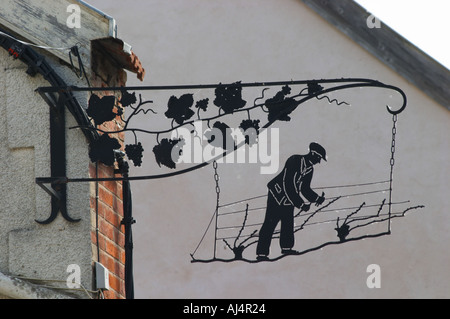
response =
{"points": [[217, 213]]}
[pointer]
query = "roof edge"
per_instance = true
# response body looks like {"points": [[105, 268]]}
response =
{"points": [[112, 21], [388, 46]]}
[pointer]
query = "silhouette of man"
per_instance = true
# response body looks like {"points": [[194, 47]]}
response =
{"points": [[285, 192]]}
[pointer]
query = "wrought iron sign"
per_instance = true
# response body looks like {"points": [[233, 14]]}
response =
{"points": [[216, 106]]}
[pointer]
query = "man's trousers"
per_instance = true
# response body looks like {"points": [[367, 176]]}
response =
{"points": [[276, 213]]}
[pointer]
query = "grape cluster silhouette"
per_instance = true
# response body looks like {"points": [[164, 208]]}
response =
{"points": [[134, 153]]}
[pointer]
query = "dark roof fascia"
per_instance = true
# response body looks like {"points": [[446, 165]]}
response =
{"points": [[388, 46], [121, 53]]}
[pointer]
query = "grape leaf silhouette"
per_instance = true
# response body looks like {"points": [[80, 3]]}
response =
{"points": [[102, 150], [179, 109], [128, 98], [229, 98], [101, 109], [168, 152]]}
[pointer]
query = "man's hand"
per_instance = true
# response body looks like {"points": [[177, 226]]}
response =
{"points": [[321, 199], [305, 207]]}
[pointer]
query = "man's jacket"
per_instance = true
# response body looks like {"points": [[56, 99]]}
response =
{"points": [[293, 180]]}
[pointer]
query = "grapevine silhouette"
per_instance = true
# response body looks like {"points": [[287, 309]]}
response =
{"points": [[228, 99]]}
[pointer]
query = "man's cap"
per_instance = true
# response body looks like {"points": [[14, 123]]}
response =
{"points": [[318, 149]]}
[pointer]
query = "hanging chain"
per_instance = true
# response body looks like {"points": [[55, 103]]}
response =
{"points": [[394, 132], [216, 213], [392, 162], [216, 179]]}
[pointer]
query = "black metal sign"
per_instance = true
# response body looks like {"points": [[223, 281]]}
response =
{"points": [[290, 202]]}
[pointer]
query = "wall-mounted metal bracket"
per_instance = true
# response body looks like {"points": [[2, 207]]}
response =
{"points": [[57, 190], [58, 101]]}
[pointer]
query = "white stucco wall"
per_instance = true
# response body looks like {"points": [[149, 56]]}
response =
{"points": [[198, 42], [29, 249]]}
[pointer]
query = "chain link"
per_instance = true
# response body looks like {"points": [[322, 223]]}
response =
{"points": [[216, 179], [392, 162], [394, 132]]}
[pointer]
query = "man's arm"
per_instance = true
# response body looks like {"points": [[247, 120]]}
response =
{"points": [[291, 170], [305, 188]]}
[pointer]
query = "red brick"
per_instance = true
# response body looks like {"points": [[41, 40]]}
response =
{"points": [[121, 238], [93, 238], [118, 205], [112, 217], [111, 186], [110, 263], [105, 171], [112, 249], [119, 192], [107, 229], [114, 282], [105, 196], [101, 241], [122, 257]]}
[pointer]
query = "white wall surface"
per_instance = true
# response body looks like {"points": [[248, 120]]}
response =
{"points": [[29, 249], [199, 42]]}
